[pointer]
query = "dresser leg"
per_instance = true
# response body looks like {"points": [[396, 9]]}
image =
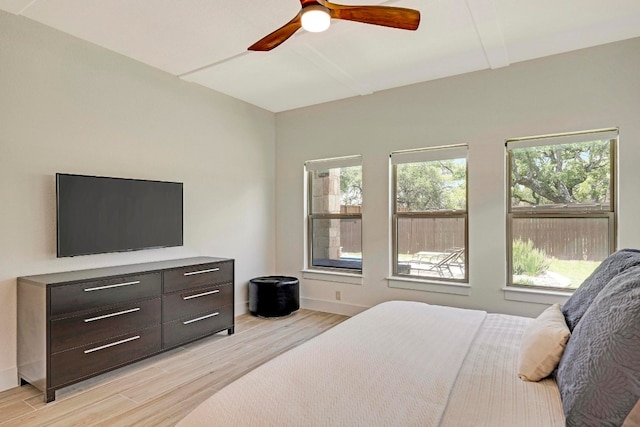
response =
{"points": [[230, 331], [49, 396]]}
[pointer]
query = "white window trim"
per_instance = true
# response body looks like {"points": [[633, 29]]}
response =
{"points": [[333, 163], [333, 276], [444, 152], [563, 138], [429, 154], [320, 273], [535, 295], [517, 292], [410, 283]]}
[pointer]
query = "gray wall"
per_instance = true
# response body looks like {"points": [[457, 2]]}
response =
{"points": [[582, 90], [69, 106]]}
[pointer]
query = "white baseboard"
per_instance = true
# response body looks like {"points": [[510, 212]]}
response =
{"points": [[8, 378], [331, 306]]}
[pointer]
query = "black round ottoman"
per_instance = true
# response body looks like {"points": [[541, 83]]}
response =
{"points": [[274, 296]]}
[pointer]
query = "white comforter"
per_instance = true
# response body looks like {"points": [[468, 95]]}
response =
{"points": [[489, 393], [397, 364]]}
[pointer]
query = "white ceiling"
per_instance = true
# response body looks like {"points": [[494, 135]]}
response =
{"points": [[205, 41]]}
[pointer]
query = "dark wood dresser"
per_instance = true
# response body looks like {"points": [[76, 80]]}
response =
{"points": [[78, 324]]}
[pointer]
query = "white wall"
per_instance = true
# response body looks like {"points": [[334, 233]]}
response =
{"points": [[583, 90], [69, 106]]}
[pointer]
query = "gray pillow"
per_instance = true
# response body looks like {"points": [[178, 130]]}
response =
{"points": [[599, 373], [581, 299]]}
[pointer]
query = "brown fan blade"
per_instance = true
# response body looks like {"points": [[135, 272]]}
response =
{"points": [[387, 16], [278, 36]]}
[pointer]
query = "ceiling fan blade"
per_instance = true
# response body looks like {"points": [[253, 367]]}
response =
{"points": [[278, 36], [387, 16]]}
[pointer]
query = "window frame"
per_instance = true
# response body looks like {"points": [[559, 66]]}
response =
{"points": [[330, 163], [555, 211], [429, 214]]}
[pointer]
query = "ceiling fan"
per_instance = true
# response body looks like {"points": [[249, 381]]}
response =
{"points": [[315, 16]]}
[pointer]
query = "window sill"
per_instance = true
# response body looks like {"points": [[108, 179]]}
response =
{"points": [[538, 296], [333, 276], [429, 286]]}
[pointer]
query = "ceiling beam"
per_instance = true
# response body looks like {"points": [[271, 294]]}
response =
{"points": [[485, 18], [31, 3], [329, 67]]}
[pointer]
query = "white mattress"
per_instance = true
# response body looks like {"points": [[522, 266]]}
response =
{"points": [[399, 363]]}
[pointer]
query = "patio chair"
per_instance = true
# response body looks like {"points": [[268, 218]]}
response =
{"points": [[440, 262]]}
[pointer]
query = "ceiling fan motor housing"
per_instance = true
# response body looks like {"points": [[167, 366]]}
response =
{"points": [[315, 18]]}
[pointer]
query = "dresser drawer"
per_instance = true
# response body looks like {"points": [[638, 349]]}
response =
{"points": [[97, 293], [99, 325], [183, 304], [198, 276], [75, 364], [196, 326]]}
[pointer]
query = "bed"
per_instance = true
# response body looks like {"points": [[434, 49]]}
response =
{"points": [[404, 363]]}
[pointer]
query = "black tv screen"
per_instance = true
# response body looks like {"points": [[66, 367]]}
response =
{"points": [[100, 214]]}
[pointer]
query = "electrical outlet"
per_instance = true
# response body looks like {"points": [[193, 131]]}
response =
{"points": [[338, 296]]}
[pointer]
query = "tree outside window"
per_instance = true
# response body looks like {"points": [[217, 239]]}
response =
{"points": [[561, 218]]}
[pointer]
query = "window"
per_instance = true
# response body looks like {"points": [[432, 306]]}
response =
{"points": [[561, 216], [430, 213], [335, 213]]}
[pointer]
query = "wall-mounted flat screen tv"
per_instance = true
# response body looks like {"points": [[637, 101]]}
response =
{"points": [[100, 214]]}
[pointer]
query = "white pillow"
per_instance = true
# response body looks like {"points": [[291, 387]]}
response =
{"points": [[542, 345]]}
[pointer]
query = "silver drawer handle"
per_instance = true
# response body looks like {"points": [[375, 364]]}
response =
{"points": [[106, 316], [204, 294], [202, 271], [200, 318], [102, 347], [99, 288]]}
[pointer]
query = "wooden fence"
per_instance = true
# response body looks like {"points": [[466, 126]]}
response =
{"points": [[351, 235], [414, 235], [570, 239], [429, 234], [579, 239]]}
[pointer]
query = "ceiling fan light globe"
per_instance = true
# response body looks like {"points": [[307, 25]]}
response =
{"points": [[315, 19]]}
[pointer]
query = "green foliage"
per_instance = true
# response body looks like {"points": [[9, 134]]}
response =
{"points": [[528, 260], [525, 281], [421, 186], [561, 174], [435, 185], [575, 270], [351, 185]]}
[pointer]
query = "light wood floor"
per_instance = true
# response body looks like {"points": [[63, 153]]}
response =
{"points": [[161, 390]]}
